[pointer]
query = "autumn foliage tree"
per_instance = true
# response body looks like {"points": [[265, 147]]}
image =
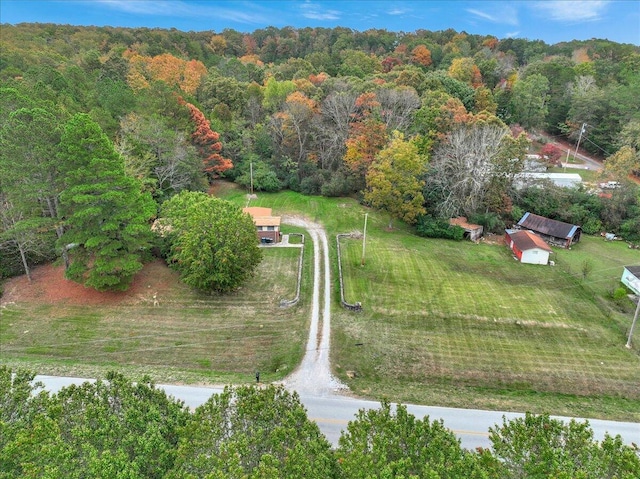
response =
{"points": [[551, 154], [207, 142], [293, 123], [365, 141], [367, 136], [393, 180], [465, 70], [421, 55], [174, 71]]}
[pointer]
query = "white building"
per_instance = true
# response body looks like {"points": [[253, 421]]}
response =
{"points": [[631, 278], [527, 247], [566, 180]]}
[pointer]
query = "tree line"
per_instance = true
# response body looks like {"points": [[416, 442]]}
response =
{"points": [[425, 125], [123, 429]]}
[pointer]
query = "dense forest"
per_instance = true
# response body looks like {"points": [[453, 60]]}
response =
{"points": [[100, 125]]}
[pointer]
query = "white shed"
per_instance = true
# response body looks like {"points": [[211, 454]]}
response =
{"points": [[527, 246]]}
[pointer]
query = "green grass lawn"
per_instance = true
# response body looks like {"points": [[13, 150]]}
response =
{"points": [[444, 323], [189, 337], [466, 325]]}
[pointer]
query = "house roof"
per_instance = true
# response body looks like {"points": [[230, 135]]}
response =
{"points": [[262, 216], [463, 223], [547, 226], [266, 220], [552, 176], [634, 270], [257, 211], [526, 240]]}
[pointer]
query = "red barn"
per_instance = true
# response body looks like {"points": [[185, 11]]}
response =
{"points": [[527, 246]]}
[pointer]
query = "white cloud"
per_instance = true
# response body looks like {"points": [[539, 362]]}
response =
{"points": [[480, 14], [572, 10], [398, 11], [146, 7], [511, 34], [316, 12], [249, 13], [501, 13]]}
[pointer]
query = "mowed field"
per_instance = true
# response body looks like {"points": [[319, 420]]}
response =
{"points": [[54, 326], [467, 325], [444, 323]]}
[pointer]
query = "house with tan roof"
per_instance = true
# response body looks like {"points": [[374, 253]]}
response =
{"points": [[527, 246], [267, 225]]}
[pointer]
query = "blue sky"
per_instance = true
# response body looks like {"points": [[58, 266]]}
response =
{"points": [[549, 20]]}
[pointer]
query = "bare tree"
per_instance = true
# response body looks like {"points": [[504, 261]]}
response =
{"points": [[464, 166], [337, 114], [154, 153], [397, 106], [177, 169]]}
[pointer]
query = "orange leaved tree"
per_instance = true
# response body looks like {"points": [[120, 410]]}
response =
{"points": [[207, 142]]}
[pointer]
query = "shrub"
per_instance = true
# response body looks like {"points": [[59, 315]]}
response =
{"points": [[264, 177], [311, 184], [490, 221], [619, 293], [592, 226], [338, 185], [431, 227]]}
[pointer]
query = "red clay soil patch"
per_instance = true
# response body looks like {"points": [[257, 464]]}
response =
{"points": [[51, 287], [493, 239]]}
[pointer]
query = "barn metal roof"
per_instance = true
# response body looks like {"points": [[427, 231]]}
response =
{"points": [[547, 226], [464, 223]]}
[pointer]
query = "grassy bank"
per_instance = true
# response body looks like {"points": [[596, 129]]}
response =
{"points": [[463, 324]]}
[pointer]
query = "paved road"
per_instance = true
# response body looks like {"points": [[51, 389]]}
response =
{"points": [[332, 413], [589, 162]]}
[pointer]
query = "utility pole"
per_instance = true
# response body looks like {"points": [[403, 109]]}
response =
{"points": [[364, 239], [582, 130], [251, 174]]}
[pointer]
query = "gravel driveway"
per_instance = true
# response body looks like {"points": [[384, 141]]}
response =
{"points": [[313, 377]]}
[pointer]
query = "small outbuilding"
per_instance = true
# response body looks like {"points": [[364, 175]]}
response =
{"points": [[553, 232], [471, 231], [527, 246], [631, 278], [267, 225]]}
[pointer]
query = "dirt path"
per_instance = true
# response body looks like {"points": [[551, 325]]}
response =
{"points": [[313, 377]]}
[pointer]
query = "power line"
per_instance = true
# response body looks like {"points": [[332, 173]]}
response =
{"points": [[597, 146]]}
